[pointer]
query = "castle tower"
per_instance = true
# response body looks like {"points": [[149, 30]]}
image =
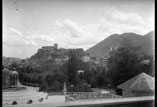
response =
{"points": [[56, 46]]}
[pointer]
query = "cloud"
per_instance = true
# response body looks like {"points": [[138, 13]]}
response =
{"points": [[15, 38], [41, 38], [70, 27], [116, 21], [127, 18], [16, 31], [113, 21], [77, 35], [17, 44]]}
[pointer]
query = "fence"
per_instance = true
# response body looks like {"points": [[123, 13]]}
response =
{"points": [[71, 96]]}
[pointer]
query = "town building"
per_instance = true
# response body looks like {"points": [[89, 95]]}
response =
{"points": [[86, 58], [99, 63]]}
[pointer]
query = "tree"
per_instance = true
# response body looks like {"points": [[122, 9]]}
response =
{"points": [[87, 76], [124, 63], [82, 86], [147, 64], [94, 78], [43, 87], [14, 65], [40, 79], [72, 73], [102, 80], [56, 87], [49, 79]]}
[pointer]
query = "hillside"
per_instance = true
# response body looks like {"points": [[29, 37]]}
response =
{"points": [[102, 48], [8, 60]]}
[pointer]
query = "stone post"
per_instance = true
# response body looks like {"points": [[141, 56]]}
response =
{"points": [[64, 90]]}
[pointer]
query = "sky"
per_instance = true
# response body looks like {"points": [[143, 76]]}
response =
{"points": [[30, 24]]}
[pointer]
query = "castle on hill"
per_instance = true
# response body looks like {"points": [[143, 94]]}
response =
{"points": [[54, 53]]}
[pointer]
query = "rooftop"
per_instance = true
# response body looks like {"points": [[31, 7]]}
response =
{"points": [[141, 82]]}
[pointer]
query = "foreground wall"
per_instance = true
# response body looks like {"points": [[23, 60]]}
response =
{"points": [[146, 101], [118, 102]]}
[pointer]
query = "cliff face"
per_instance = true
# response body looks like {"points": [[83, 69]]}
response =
{"points": [[113, 41]]}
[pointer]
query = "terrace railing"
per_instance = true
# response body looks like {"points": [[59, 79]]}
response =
{"points": [[89, 96]]}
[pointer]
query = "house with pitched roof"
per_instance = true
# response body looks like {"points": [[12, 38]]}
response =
{"points": [[140, 85]]}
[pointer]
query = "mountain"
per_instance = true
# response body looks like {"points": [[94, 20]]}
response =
{"points": [[112, 42]]}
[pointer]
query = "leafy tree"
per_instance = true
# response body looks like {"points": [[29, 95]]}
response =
{"points": [[82, 86], [102, 80], [40, 79], [87, 76], [14, 65], [43, 87], [93, 78], [56, 86], [49, 79], [124, 62], [72, 73], [81, 76], [147, 64]]}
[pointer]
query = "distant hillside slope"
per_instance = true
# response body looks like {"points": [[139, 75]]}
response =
{"points": [[103, 47], [8, 60]]}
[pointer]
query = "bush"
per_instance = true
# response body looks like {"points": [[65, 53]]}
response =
{"points": [[14, 103], [30, 102], [56, 87], [43, 87], [40, 100]]}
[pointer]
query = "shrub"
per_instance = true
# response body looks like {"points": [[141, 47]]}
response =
{"points": [[14, 103], [43, 87], [40, 100], [30, 102]]}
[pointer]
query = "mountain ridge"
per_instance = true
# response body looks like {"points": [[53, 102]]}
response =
{"points": [[113, 41]]}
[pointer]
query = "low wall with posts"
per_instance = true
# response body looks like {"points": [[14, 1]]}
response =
{"points": [[71, 96]]}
